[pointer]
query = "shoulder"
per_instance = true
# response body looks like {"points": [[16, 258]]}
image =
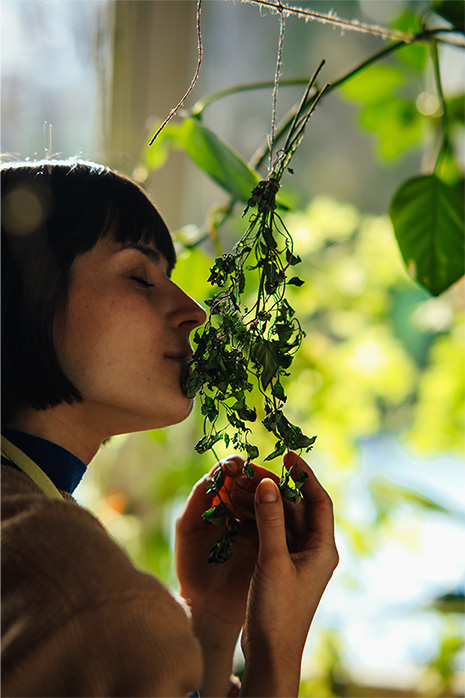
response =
{"points": [[66, 543]]}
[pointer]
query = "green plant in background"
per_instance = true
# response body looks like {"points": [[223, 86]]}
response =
{"points": [[433, 247]]}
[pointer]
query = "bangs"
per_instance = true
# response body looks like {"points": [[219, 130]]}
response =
{"points": [[132, 219], [81, 202]]}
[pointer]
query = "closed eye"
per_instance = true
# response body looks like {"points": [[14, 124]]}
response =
{"points": [[142, 282]]}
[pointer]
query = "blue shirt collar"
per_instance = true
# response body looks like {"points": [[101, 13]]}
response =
{"points": [[63, 468]]}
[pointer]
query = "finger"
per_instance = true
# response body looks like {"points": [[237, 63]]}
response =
{"points": [[249, 484], [232, 465], [311, 487], [269, 513], [243, 501], [315, 511]]}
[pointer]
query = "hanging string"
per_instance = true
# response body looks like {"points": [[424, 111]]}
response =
{"points": [[275, 87], [331, 18], [194, 79]]}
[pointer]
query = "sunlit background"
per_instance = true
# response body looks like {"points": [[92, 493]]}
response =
{"points": [[380, 376]]}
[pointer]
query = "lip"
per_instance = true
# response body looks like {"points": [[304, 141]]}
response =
{"points": [[183, 357]]}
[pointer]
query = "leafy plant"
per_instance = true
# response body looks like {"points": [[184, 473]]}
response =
{"points": [[239, 343]]}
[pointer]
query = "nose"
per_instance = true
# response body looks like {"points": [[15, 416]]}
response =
{"points": [[187, 312]]}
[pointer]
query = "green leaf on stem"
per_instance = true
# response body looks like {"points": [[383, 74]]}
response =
{"points": [[295, 281], [248, 468], [218, 160], [374, 84], [428, 220], [397, 123]]}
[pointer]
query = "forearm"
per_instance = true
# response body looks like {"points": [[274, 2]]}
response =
{"points": [[218, 641]]}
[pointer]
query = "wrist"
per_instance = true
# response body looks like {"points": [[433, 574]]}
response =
{"points": [[209, 627], [218, 641], [270, 673]]}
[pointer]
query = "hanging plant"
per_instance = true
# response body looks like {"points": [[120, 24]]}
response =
{"points": [[245, 346]]}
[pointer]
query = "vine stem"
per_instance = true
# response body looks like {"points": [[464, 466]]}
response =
{"points": [[260, 154], [200, 106], [444, 120]]}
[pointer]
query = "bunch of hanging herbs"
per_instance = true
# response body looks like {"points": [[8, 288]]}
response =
{"points": [[240, 345]]}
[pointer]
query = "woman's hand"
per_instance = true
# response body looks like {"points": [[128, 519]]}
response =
{"points": [[277, 572], [217, 593], [297, 556], [220, 589]]}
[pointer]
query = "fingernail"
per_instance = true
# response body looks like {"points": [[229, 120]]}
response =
{"points": [[230, 466], [267, 491]]}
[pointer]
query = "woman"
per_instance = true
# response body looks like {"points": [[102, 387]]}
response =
{"points": [[95, 342]]}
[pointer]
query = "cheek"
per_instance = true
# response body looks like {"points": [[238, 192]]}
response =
{"points": [[106, 341], [79, 329]]}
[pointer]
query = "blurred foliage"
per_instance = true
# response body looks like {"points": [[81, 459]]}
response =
{"points": [[396, 105]]}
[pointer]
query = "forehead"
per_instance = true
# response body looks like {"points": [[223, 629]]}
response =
{"points": [[107, 249]]}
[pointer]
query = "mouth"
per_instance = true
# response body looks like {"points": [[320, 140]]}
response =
{"points": [[183, 358]]}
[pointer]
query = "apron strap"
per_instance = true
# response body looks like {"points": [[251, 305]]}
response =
{"points": [[27, 465]]}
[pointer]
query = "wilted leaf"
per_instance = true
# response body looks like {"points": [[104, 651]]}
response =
{"points": [[265, 355], [248, 469], [295, 281]]}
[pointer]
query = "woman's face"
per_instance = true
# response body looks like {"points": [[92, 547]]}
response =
{"points": [[123, 338]]}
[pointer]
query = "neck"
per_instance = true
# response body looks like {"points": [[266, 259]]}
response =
{"points": [[60, 426]]}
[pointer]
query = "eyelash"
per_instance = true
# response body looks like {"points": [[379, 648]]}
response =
{"points": [[142, 281]]}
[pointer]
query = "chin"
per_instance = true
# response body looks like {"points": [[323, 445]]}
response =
{"points": [[174, 416]]}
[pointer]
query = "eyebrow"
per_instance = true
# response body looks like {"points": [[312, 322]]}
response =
{"points": [[152, 255]]}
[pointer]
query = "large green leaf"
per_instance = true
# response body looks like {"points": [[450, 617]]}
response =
{"points": [[374, 84], [428, 220], [397, 123], [218, 160]]}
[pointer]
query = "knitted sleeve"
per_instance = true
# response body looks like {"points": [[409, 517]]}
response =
{"points": [[78, 618]]}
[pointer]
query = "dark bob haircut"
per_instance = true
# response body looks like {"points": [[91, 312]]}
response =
{"points": [[52, 212]]}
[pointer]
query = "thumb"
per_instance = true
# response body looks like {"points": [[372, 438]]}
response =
{"points": [[269, 513]]}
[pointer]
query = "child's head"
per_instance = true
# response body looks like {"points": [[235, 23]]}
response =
{"points": [[52, 213]]}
